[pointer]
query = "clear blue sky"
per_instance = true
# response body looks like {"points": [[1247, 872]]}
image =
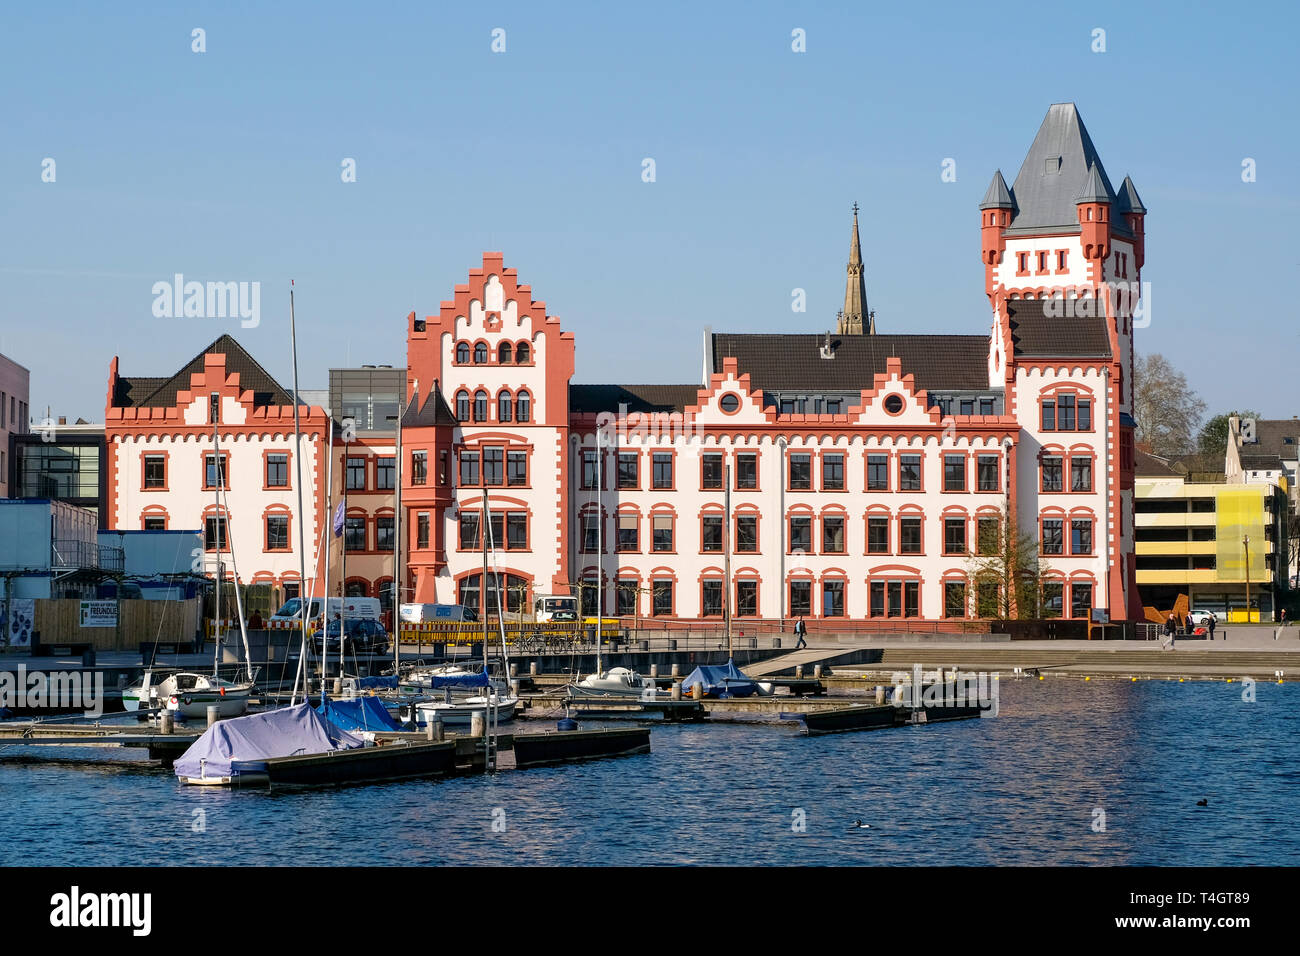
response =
{"points": [[225, 166]]}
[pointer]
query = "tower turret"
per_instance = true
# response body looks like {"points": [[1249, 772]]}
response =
{"points": [[1093, 206], [995, 216]]}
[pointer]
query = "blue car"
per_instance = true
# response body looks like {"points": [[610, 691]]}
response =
{"points": [[359, 637]]}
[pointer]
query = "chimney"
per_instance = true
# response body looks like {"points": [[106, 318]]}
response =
{"points": [[826, 351], [63, 419]]}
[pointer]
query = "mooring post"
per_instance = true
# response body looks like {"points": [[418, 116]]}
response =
{"points": [[532, 668], [654, 670], [435, 729], [798, 671], [213, 711], [817, 671], [166, 722], [880, 694], [676, 671], [677, 690]]}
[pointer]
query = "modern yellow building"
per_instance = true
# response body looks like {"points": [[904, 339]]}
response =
{"points": [[1213, 543]]}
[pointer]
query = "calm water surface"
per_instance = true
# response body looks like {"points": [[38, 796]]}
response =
{"points": [[1021, 788]]}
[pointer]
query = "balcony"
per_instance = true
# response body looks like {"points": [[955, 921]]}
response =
{"points": [[75, 554]]}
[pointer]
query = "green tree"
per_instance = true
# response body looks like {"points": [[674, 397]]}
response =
{"points": [[1213, 439], [1007, 570]]}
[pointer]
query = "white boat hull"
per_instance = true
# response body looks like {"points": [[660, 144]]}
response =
{"points": [[618, 682], [461, 713]]}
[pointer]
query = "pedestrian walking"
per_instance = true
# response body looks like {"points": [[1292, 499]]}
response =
{"points": [[800, 630], [1171, 625], [1210, 624]]}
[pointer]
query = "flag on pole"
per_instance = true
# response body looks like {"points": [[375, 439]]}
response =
{"points": [[338, 521]]}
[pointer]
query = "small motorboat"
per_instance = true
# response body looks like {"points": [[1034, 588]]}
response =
{"points": [[615, 682], [459, 712], [190, 695]]}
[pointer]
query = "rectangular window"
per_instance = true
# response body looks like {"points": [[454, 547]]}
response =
{"points": [[384, 534], [1065, 412], [911, 599], [990, 472], [711, 597], [1081, 600], [493, 466], [968, 406], [988, 533], [1060, 259], [833, 472], [420, 467], [1081, 536], [356, 474], [746, 599], [801, 472], [628, 537], [800, 598], [986, 406], [662, 592], [909, 472], [517, 531], [422, 530], [954, 535], [801, 533], [214, 409], [468, 469], [590, 534], [385, 473], [954, 599], [155, 524], [832, 599], [1053, 598], [1049, 415], [663, 532], [1052, 477], [909, 535], [496, 530], [746, 471], [832, 534], [1052, 536], [878, 535], [588, 471], [277, 532], [711, 471], [214, 474], [1081, 474], [354, 534], [877, 473], [954, 472], [468, 531], [625, 597], [214, 534], [877, 599], [442, 467], [663, 470], [517, 468], [711, 533], [747, 533], [1085, 414], [894, 596], [629, 474], [155, 471]]}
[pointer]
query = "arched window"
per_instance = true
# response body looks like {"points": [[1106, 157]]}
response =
{"points": [[523, 406], [503, 406], [480, 406], [462, 406], [480, 354], [462, 353], [521, 354], [503, 353]]}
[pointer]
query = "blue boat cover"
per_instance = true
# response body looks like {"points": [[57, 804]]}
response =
{"points": [[275, 733], [361, 713], [376, 683], [460, 680], [725, 681]]}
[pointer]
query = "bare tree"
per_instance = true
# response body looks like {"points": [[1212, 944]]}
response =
{"points": [[1166, 408]]}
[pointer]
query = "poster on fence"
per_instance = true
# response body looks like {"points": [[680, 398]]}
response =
{"points": [[18, 624], [99, 614]]}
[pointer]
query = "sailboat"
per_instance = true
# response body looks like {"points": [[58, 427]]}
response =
{"points": [[617, 681], [494, 701]]}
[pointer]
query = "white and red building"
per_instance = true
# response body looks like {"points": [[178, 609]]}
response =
{"points": [[838, 476]]}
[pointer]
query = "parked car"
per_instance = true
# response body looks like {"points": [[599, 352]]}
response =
{"points": [[360, 636], [1202, 617]]}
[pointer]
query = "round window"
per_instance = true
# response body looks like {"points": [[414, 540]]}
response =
{"points": [[893, 404], [730, 403]]}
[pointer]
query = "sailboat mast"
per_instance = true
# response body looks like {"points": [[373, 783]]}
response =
{"points": [[328, 545], [302, 545], [726, 552], [484, 532], [397, 546], [600, 548], [216, 518], [234, 567]]}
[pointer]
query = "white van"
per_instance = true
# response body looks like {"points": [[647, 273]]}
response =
{"points": [[347, 608], [428, 613]]}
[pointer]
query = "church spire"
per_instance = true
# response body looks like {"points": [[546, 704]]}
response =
{"points": [[855, 319]]}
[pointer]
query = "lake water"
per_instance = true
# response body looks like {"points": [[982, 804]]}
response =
{"points": [[1026, 787]]}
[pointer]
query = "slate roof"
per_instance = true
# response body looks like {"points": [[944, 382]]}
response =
{"points": [[1151, 466], [1055, 173], [1035, 335], [1261, 463], [161, 392], [794, 362], [997, 196], [1271, 436], [638, 398], [1129, 201], [433, 411]]}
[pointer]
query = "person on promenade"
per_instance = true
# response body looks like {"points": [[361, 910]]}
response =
{"points": [[1188, 627], [255, 623], [800, 631], [1211, 623], [1171, 625]]}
